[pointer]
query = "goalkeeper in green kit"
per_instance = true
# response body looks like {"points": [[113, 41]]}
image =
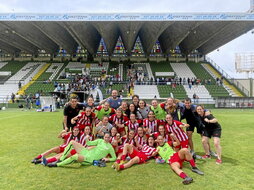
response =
{"points": [[99, 150]]}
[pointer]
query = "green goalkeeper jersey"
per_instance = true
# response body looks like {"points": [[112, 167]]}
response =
{"points": [[101, 150], [165, 151]]}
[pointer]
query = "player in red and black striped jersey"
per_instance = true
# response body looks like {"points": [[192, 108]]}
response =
{"points": [[128, 139], [118, 120], [175, 127], [137, 157], [141, 138], [162, 132], [132, 124], [151, 124], [87, 136], [75, 135], [86, 118]]}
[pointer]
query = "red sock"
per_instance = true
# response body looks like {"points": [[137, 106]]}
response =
{"points": [[123, 157], [118, 161], [39, 157], [121, 167], [182, 175], [192, 163], [51, 160]]}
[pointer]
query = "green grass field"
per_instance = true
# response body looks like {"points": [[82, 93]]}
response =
{"points": [[25, 134]]}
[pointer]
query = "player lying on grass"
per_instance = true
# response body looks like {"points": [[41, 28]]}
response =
{"points": [[87, 136], [137, 157], [75, 135], [85, 156], [176, 159]]}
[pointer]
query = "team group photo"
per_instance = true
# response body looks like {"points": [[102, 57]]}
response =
{"points": [[126, 95]]}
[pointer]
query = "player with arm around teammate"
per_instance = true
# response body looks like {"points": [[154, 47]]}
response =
{"points": [[211, 129]]}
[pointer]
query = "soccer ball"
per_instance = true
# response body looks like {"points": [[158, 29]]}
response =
{"points": [[3, 108]]}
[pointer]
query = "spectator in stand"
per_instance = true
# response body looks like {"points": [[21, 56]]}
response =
{"points": [[13, 98]]}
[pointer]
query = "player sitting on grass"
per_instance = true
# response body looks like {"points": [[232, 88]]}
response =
{"points": [[176, 159], [75, 135], [137, 157], [86, 156]]}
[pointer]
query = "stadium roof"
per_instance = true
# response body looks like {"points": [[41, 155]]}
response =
{"points": [[204, 32]]}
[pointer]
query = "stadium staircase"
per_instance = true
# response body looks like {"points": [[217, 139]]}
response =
{"points": [[25, 74], [146, 91], [121, 71], [2, 64], [40, 72], [182, 70], [215, 74], [214, 89]]}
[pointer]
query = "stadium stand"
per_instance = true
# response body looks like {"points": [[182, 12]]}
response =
{"points": [[25, 74], [162, 66], [147, 92], [230, 89], [2, 64], [54, 69], [214, 89], [183, 71], [166, 90]]}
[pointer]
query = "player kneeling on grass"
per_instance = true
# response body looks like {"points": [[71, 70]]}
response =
{"points": [[85, 156], [176, 159], [137, 157]]}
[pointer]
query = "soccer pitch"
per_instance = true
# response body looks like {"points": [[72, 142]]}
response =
{"points": [[25, 134]]}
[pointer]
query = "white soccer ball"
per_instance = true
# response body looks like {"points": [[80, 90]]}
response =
{"points": [[3, 108]]}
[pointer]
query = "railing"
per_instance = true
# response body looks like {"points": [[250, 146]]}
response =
{"points": [[234, 102], [231, 80]]}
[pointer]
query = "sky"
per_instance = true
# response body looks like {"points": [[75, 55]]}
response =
{"points": [[223, 56]]}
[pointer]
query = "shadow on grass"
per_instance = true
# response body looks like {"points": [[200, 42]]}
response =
{"points": [[225, 159]]}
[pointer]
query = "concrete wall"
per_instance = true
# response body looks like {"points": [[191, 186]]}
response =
{"points": [[248, 84]]}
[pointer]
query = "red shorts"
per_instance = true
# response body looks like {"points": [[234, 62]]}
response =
{"points": [[120, 150], [175, 158], [184, 144], [73, 151], [61, 149], [141, 155]]}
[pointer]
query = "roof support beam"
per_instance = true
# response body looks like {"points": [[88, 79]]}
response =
{"points": [[150, 32], [30, 33], [57, 32], [129, 32], [109, 32], [85, 34]]}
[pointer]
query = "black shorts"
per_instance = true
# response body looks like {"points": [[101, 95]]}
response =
{"points": [[192, 127], [212, 133], [69, 126]]}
